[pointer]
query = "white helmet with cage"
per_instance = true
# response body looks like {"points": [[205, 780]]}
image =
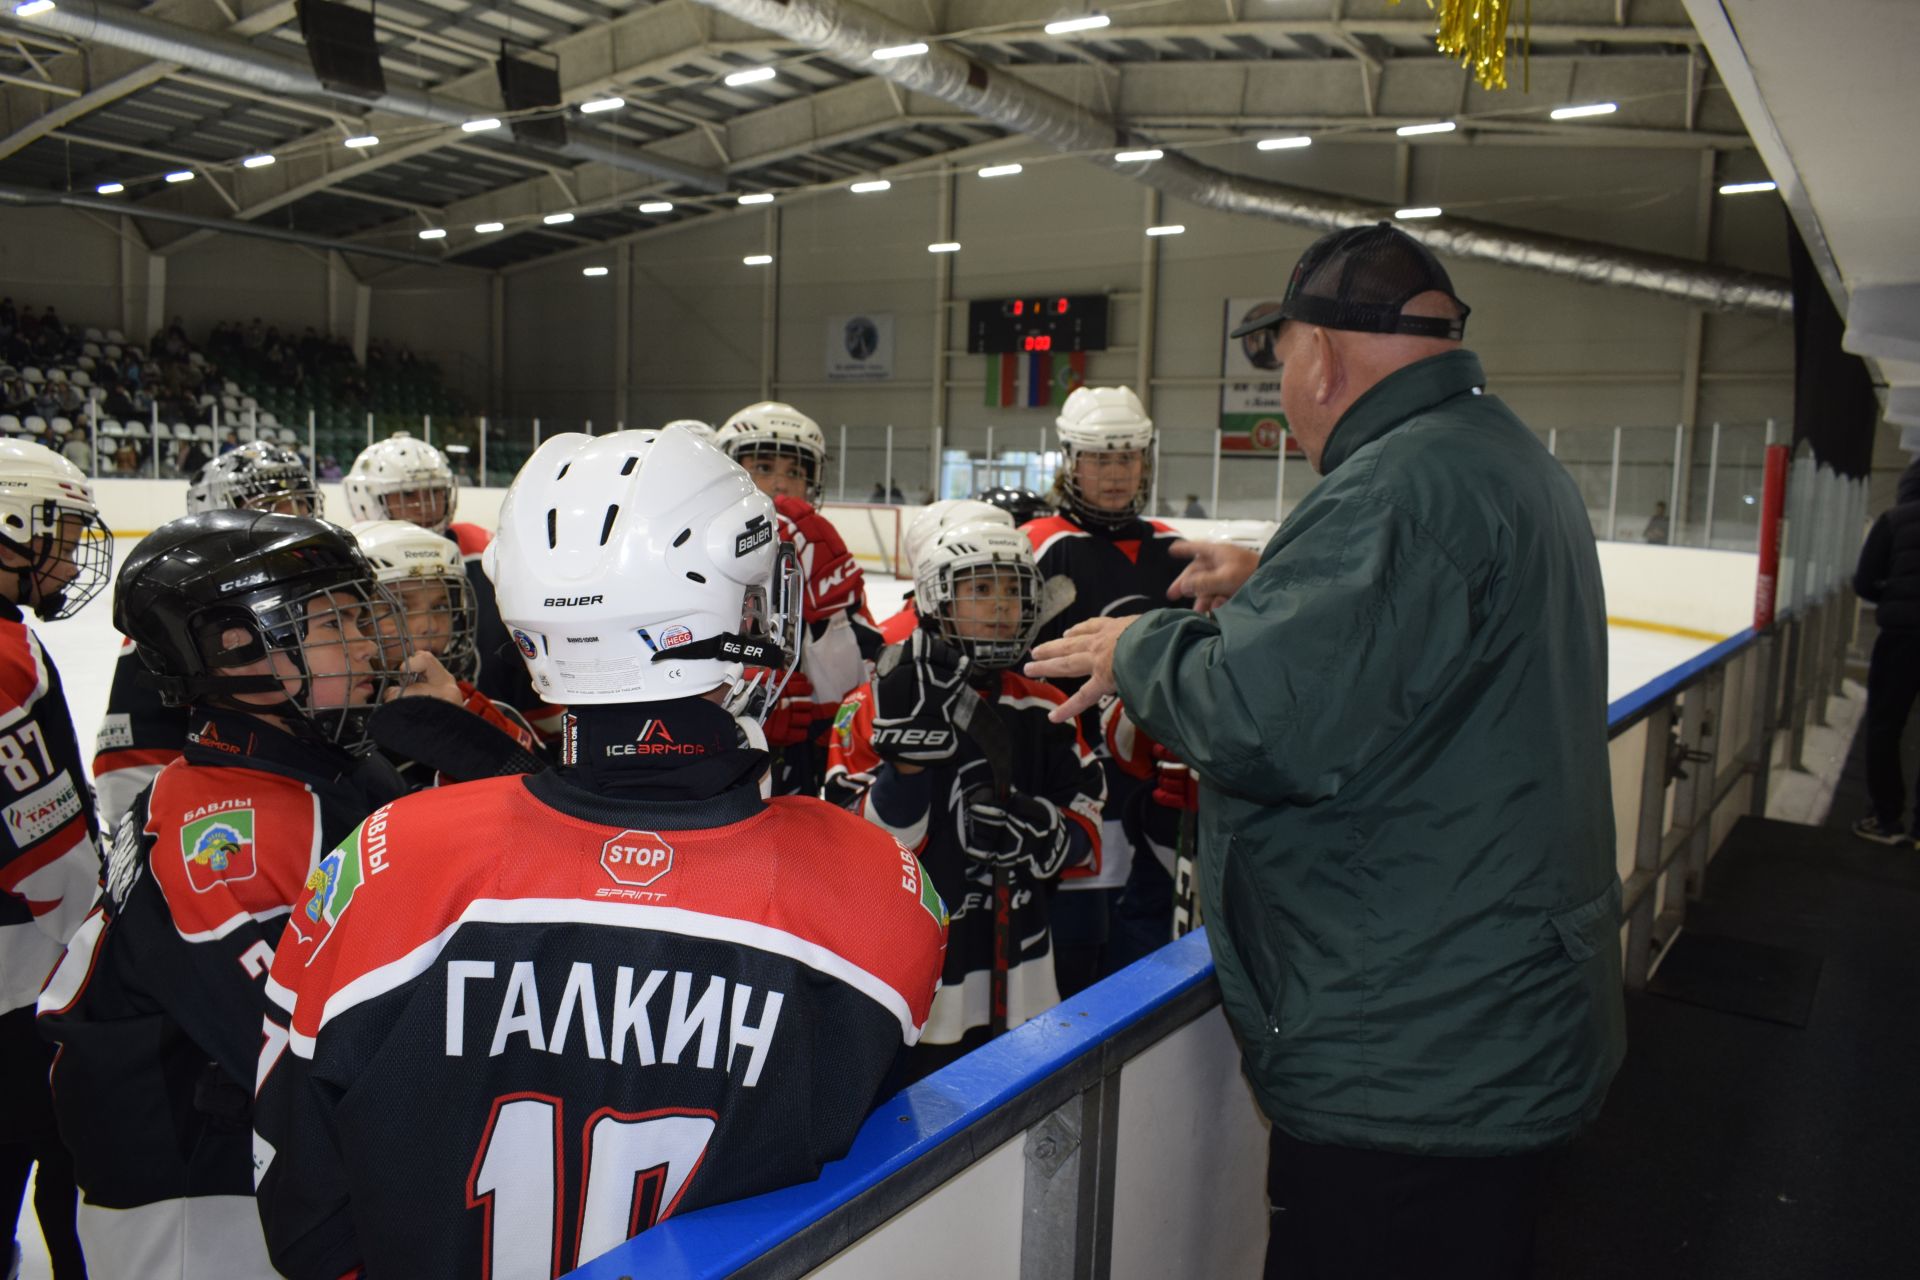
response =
{"points": [[984, 571], [945, 514], [428, 579], [257, 476], [48, 516], [704, 430], [393, 479], [1103, 420], [642, 566], [776, 428]]}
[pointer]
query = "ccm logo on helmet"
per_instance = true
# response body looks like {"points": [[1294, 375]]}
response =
{"points": [[568, 602]]}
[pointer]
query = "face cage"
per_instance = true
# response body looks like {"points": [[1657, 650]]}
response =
{"points": [[814, 464], [988, 655], [1083, 509], [285, 625], [461, 657], [387, 490], [92, 558], [264, 490], [773, 616]]}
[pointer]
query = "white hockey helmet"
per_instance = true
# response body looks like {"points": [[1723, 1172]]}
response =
{"points": [[773, 427], [400, 465], [428, 578], [945, 514], [702, 429], [1103, 420], [641, 566], [964, 558], [256, 476], [40, 491]]}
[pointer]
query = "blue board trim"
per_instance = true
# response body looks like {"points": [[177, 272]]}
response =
{"points": [[1622, 714]]}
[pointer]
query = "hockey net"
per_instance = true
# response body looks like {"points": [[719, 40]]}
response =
{"points": [[873, 533]]}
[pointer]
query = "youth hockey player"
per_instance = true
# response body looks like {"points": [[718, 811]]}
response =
{"points": [[923, 529], [267, 625], [54, 557], [905, 754], [401, 478], [140, 734], [1022, 504], [543, 1014], [1119, 564], [786, 454]]}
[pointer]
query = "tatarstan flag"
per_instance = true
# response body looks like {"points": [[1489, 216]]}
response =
{"points": [[1033, 379]]}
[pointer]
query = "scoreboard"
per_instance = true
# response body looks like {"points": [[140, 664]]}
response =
{"points": [[1037, 323]]}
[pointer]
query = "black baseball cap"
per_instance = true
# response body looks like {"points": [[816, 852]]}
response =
{"points": [[1359, 279]]}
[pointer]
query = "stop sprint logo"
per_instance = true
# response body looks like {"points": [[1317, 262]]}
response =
{"points": [[637, 858]]}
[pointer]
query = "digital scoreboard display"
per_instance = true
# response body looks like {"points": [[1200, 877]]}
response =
{"points": [[1037, 322]]}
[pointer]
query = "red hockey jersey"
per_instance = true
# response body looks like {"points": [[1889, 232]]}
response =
{"points": [[535, 1020]]}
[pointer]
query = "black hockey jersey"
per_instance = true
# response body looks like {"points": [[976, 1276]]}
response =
{"points": [[159, 1004], [531, 1020], [1050, 762], [139, 736], [49, 853]]}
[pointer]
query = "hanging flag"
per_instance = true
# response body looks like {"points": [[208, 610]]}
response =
{"points": [[1034, 380]]}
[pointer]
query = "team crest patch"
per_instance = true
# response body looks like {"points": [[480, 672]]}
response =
{"points": [[218, 849], [525, 642], [332, 884], [843, 722], [675, 636]]}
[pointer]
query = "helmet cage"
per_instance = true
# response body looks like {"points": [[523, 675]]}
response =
{"points": [[263, 487], [938, 600], [1083, 508], [745, 451], [461, 656], [771, 615], [92, 555]]}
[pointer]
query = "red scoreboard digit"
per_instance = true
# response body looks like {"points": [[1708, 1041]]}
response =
{"points": [[1075, 322]]}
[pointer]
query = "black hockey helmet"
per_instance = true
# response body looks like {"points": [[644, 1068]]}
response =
{"points": [[1022, 504], [257, 476], [274, 577]]}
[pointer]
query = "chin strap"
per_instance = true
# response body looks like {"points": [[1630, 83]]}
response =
{"points": [[727, 647]]}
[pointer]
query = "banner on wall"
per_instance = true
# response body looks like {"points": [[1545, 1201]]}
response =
{"points": [[1034, 379], [1250, 416], [860, 347]]}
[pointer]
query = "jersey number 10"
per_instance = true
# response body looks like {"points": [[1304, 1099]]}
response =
{"points": [[636, 1168]]}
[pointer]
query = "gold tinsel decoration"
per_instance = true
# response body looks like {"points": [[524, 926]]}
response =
{"points": [[1475, 31]]}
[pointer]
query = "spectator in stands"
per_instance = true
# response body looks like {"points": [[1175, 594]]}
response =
{"points": [[255, 337], [330, 469], [194, 456], [16, 396], [52, 326], [71, 399], [118, 404], [1398, 714], [1656, 532], [46, 401], [229, 441], [1194, 509], [126, 458], [1889, 575]]}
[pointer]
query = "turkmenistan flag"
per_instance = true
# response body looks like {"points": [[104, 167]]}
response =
{"points": [[1033, 379]]}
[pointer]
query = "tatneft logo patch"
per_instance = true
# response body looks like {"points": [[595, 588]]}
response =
{"points": [[637, 858], [42, 811], [218, 849], [116, 733]]}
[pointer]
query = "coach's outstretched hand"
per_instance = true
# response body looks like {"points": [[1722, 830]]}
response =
{"points": [[1218, 569], [1086, 651]]}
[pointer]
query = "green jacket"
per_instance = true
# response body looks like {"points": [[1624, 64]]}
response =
{"points": [[1407, 851]]}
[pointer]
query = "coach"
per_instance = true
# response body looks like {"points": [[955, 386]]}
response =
{"points": [[1398, 710]]}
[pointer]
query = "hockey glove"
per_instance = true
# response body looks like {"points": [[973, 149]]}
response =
{"points": [[1020, 833], [915, 688], [1174, 786], [796, 716]]}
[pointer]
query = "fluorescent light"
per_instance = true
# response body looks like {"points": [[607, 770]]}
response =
{"points": [[945, 246], [753, 76], [1415, 130], [364, 140], [1731, 189], [434, 233], [593, 271], [757, 259], [1000, 170], [657, 206], [180, 175], [111, 188], [485, 228], [32, 7], [757, 197], [1579, 113], [480, 126], [900, 51], [256, 162], [1423, 211], [1135, 157], [1284, 144], [602, 104], [1092, 22], [876, 184], [557, 219], [1171, 229]]}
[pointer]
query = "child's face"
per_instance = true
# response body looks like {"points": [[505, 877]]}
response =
{"points": [[986, 604], [778, 475]]}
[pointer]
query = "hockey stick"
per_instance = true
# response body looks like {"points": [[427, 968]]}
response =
{"points": [[977, 718], [448, 739], [1186, 869]]}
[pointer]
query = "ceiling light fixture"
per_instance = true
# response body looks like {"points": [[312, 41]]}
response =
{"points": [[480, 126], [180, 175], [757, 259], [111, 188], [657, 206], [593, 271], [757, 197], [557, 219], [1137, 157], [1423, 211], [900, 51], [1000, 170], [1171, 229], [434, 233], [32, 7], [1731, 189], [602, 104], [1067, 26], [1581, 113], [1284, 144], [364, 140], [485, 228], [256, 162], [753, 76], [875, 184], [1415, 130], [945, 246]]}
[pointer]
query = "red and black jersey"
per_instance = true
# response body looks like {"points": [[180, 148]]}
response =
{"points": [[1050, 762], [139, 736], [158, 1006], [49, 853], [902, 625], [535, 1019]]}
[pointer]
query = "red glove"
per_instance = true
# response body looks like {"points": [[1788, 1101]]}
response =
{"points": [[1174, 785], [794, 718]]}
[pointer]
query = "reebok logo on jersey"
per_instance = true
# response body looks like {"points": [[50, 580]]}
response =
{"points": [[218, 849], [43, 811], [637, 858]]}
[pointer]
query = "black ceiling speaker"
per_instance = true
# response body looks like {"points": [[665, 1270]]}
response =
{"points": [[340, 43], [530, 82]]}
